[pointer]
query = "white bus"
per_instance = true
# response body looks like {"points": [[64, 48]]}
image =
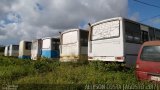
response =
{"points": [[118, 40], [25, 49], [14, 50], [36, 49], [6, 51], [74, 45]]}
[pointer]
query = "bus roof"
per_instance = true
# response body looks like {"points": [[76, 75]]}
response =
{"points": [[70, 30], [49, 38], [24, 41], [121, 18], [13, 45], [151, 43], [106, 20], [36, 40]]}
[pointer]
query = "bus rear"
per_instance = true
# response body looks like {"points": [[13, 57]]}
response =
{"points": [[25, 49], [36, 49], [69, 45], [6, 51], [106, 42], [50, 47], [14, 50]]}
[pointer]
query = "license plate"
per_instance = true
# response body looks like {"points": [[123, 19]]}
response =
{"points": [[155, 78]]}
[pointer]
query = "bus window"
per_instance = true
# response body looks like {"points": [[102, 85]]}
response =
{"points": [[84, 42], [137, 38], [15, 47], [107, 30], [84, 38], [133, 34], [145, 36], [28, 45], [55, 44], [157, 34], [151, 34]]}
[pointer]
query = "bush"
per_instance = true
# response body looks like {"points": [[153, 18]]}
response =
{"points": [[12, 72], [42, 67], [45, 66]]}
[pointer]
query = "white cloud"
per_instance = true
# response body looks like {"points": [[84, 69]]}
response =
{"points": [[135, 16], [31, 19]]}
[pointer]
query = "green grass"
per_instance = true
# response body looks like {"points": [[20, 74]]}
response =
{"points": [[48, 72], [1, 53]]}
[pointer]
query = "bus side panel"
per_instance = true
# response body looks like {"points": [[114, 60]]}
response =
{"points": [[21, 49], [83, 40], [10, 50], [34, 52], [84, 52], [131, 53], [23, 53], [40, 48], [13, 52], [6, 51], [36, 49]]}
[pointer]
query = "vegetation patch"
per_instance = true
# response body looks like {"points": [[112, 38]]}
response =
{"points": [[51, 72]]}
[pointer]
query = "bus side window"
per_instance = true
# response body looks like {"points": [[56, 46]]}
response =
{"points": [[55, 44], [151, 34], [137, 37], [145, 36], [15, 47], [84, 42], [28, 46], [83, 38], [129, 37], [157, 34], [133, 34]]}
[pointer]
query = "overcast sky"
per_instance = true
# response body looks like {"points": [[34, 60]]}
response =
{"points": [[32, 19]]}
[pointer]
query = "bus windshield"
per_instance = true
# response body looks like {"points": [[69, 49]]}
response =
{"points": [[151, 53], [110, 29]]}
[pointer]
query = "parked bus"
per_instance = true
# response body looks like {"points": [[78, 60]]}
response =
{"points": [[74, 45], [36, 49], [25, 49], [6, 51], [118, 40], [14, 50], [148, 61], [50, 47]]}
